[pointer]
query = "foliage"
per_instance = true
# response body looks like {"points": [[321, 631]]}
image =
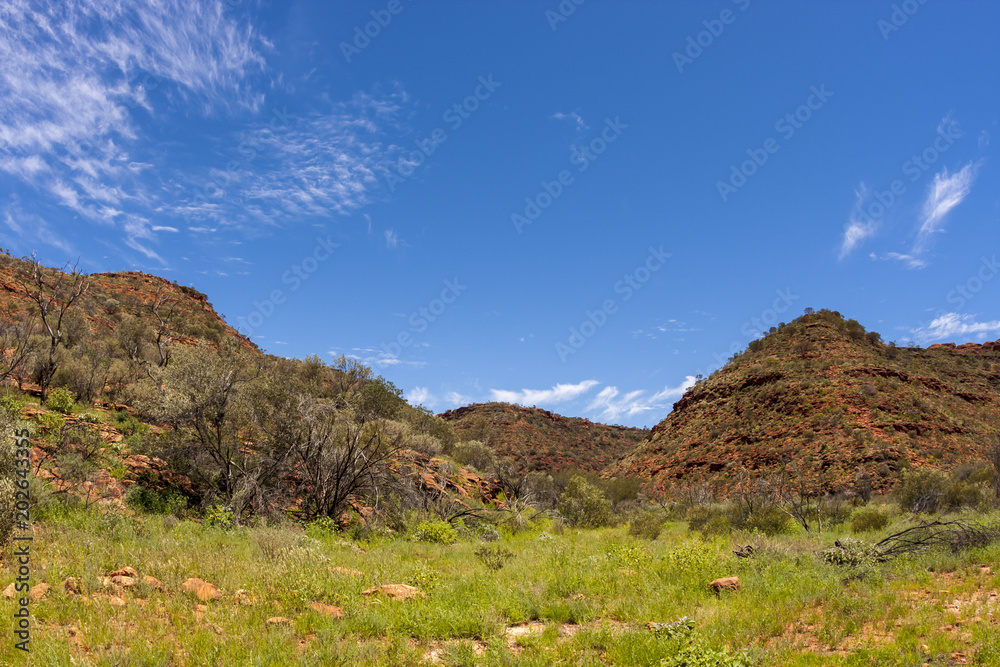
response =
{"points": [[682, 627], [930, 490], [696, 653], [217, 516], [869, 520], [493, 556], [689, 557], [709, 519], [474, 454], [151, 501], [437, 532], [646, 525], [583, 504], [10, 407], [61, 400], [9, 481], [851, 552]]}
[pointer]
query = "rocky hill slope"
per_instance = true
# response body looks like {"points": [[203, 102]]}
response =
{"points": [[823, 400], [537, 439]]}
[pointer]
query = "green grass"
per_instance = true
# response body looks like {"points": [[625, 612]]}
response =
{"points": [[587, 594]]}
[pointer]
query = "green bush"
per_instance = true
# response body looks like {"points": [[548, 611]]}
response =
{"points": [[709, 520], [11, 407], [583, 504], [647, 525], [150, 501], [475, 455], [930, 490], [695, 653], [769, 519], [852, 553], [61, 400], [217, 516], [869, 520], [493, 556], [437, 532]]}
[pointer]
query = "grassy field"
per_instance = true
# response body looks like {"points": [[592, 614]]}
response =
{"points": [[572, 597]]}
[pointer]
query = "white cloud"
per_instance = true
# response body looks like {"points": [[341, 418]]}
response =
{"points": [[611, 406], [557, 394], [860, 226], [952, 326], [572, 116], [946, 192], [72, 72], [419, 396], [391, 239]]}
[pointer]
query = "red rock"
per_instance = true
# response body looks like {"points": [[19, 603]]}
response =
{"points": [[726, 583], [329, 610], [395, 591], [202, 589]]}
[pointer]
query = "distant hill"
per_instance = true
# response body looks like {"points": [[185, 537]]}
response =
{"points": [[185, 313], [824, 399], [537, 439]]}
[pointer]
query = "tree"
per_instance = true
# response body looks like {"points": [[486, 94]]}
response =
{"points": [[52, 296], [342, 455], [17, 344], [583, 504], [200, 397]]}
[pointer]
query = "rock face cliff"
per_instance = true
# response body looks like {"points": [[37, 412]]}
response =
{"points": [[823, 400], [541, 440]]}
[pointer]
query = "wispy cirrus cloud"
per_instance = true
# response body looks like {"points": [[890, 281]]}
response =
{"points": [[945, 193], [952, 326], [73, 72], [859, 226], [558, 393], [611, 404]]}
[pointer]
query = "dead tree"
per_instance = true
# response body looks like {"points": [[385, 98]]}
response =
{"points": [[52, 295]]}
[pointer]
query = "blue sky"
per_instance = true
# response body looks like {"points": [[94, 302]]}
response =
{"points": [[575, 206]]}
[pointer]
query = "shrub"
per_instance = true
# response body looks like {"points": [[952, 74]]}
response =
{"points": [[852, 553], [695, 653], [583, 504], [8, 451], [150, 501], [437, 532], [709, 520], [647, 525], [869, 520], [474, 454], [425, 444], [10, 407], [494, 556], [61, 400], [768, 519], [217, 516]]}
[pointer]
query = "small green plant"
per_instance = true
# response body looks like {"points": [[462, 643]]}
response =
{"points": [[494, 556], [11, 407], [61, 400], [150, 501], [50, 424], [437, 532], [869, 520], [647, 525], [689, 557], [682, 627], [631, 556], [851, 552], [425, 578], [695, 653], [217, 516], [322, 526], [90, 417]]}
